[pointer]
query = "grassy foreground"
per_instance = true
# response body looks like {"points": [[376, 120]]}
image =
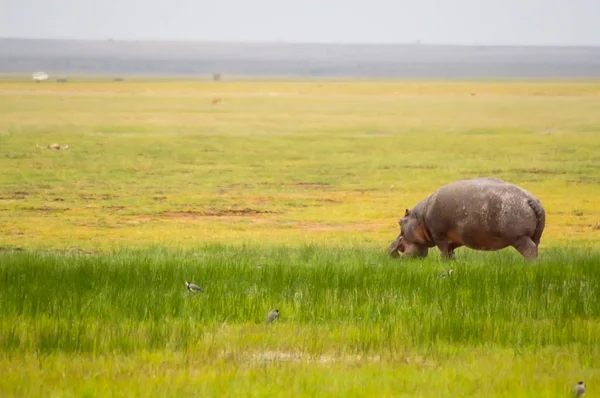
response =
{"points": [[353, 322], [285, 195]]}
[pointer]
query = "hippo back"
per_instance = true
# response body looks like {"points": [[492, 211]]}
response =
{"points": [[482, 205]]}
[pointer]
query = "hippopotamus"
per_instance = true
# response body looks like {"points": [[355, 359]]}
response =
{"points": [[481, 213]]}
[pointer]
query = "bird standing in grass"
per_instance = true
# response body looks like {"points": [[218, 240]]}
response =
{"points": [[273, 315], [579, 389], [446, 274], [192, 287]]}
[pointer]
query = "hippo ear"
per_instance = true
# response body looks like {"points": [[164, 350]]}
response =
{"points": [[406, 212]]}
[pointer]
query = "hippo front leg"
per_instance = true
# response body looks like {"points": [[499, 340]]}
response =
{"points": [[452, 247], [447, 249]]}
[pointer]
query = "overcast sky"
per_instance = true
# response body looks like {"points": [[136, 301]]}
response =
{"points": [[531, 22]]}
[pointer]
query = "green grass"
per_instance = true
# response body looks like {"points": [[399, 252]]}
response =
{"points": [[156, 163], [308, 180], [343, 309], [314, 287]]}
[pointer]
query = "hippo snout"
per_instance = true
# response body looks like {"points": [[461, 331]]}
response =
{"points": [[401, 247], [395, 248]]}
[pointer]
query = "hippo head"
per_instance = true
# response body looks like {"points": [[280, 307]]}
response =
{"points": [[411, 240]]}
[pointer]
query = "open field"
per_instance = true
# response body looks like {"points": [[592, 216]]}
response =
{"points": [[165, 181], [157, 162]]}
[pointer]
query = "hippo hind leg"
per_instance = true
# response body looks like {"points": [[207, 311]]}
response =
{"points": [[526, 247]]}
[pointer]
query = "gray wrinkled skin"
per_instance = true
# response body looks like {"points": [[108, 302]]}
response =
{"points": [[481, 214]]}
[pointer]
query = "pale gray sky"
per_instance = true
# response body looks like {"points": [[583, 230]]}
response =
{"points": [[531, 22]]}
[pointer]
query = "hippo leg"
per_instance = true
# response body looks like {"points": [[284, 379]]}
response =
{"points": [[451, 248], [527, 248], [445, 249]]}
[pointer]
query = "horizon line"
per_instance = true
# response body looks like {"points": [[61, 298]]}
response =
{"points": [[280, 42]]}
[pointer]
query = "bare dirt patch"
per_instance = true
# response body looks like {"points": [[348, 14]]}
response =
{"points": [[19, 195], [214, 213], [97, 197], [11, 249], [238, 186], [311, 185], [45, 209], [419, 167], [363, 190], [113, 207], [297, 184], [327, 200]]}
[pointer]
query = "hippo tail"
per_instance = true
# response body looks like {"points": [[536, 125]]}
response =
{"points": [[540, 213]]}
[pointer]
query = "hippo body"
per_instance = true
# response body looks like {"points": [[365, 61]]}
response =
{"points": [[481, 214]]}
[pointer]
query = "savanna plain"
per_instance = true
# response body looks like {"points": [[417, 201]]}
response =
{"points": [[286, 194]]}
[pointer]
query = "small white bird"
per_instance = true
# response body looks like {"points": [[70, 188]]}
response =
{"points": [[192, 287], [579, 389], [273, 315], [446, 274]]}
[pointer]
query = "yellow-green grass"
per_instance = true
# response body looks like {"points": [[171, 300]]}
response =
{"points": [[154, 162], [168, 374], [307, 179]]}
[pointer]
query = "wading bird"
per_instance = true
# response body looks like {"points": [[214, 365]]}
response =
{"points": [[273, 315], [446, 274], [192, 287], [579, 389]]}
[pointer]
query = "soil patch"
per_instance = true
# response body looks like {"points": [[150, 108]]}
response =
{"points": [[326, 200], [311, 184], [97, 197], [10, 249], [419, 166], [46, 209], [113, 207], [15, 195], [215, 213]]}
